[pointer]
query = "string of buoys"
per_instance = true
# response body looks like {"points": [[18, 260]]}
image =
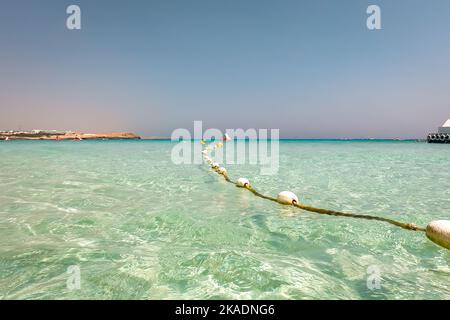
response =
{"points": [[437, 231]]}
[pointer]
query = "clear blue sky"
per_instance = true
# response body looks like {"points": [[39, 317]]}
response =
{"points": [[309, 68]]}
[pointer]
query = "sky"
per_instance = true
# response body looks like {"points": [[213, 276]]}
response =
{"points": [[309, 68]]}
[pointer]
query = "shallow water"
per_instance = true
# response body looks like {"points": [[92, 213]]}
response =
{"points": [[140, 227]]}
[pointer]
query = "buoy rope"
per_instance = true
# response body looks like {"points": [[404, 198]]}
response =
{"points": [[247, 186], [407, 226]]}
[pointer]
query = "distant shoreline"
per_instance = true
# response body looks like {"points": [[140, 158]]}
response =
{"points": [[169, 140], [75, 135], [65, 135]]}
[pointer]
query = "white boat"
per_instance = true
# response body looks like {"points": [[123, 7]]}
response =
{"points": [[443, 134], [445, 127]]}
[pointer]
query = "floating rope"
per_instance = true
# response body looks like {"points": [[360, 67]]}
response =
{"points": [[437, 231]]}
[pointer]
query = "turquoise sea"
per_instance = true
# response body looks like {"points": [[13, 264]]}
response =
{"points": [[139, 227]]}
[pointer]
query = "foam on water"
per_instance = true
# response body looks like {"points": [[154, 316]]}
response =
{"points": [[141, 227]]}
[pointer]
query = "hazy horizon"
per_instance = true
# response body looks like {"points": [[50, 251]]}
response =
{"points": [[309, 68]]}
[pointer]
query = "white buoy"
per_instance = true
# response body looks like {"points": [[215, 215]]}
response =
{"points": [[287, 197], [226, 137], [215, 165], [242, 182], [222, 170], [439, 232]]}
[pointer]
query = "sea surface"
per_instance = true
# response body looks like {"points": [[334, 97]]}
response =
{"points": [[137, 226]]}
